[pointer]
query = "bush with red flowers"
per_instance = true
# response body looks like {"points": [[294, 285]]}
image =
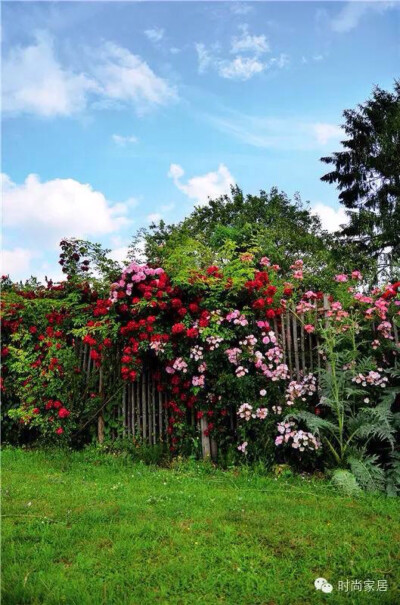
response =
{"points": [[214, 345]]}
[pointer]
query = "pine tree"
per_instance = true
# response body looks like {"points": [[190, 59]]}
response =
{"points": [[367, 173]]}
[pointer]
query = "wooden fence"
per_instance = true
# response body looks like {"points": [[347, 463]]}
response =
{"points": [[140, 411]]}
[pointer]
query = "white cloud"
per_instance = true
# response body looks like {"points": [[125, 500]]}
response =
{"points": [[125, 77], [331, 218], [275, 133], [121, 140], [352, 12], [248, 43], [200, 188], [175, 171], [155, 34], [45, 212], [241, 68], [154, 217], [244, 65], [204, 58], [16, 262], [35, 81], [119, 254], [280, 61], [325, 132], [240, 8]]}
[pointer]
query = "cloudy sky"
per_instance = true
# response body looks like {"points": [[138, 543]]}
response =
{"points": [[116, 114]]}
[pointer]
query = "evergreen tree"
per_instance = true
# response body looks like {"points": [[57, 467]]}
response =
{"points": [[367, 173]]}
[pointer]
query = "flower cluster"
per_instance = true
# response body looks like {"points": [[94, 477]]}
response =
{"points": [[301, 389], [372, 378], [298, 439]]}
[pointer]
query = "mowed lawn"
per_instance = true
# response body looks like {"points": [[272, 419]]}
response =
{"points": [[88, 528]]}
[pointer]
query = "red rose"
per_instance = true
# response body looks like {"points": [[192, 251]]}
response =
{"points": [[36, 411], [178, 328], [33, 329], [63, 413], [59, 431], [259, 303]]}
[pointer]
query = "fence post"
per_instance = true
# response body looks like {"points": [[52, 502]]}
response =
{"points": [[100, 420], [327, 307], [296, 346], [205, 439], [214, 449], [396, 334]]}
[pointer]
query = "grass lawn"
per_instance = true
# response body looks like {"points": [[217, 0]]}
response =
{"points": [[89, 528]]}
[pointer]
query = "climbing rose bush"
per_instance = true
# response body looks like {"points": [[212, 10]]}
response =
{"points": [[214, 346]]}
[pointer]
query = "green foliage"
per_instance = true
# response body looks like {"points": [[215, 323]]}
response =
{"points": [[354, 427], [346, 482], [265, 225], [367, 471], [82, 260], [367, 173]]}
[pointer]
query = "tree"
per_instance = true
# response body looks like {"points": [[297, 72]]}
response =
{"points": [[367, 173], [268, 224]]}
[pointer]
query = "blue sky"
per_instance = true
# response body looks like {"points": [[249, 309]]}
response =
{"points": [[119, 113]]}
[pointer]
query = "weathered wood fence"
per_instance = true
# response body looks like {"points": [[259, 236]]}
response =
{"points": [[140, 412]]}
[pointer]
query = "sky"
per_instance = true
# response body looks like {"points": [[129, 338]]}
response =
{"points": [[118, 114]]}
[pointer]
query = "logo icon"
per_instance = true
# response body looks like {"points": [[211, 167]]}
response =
{"points": [[323, 585]]}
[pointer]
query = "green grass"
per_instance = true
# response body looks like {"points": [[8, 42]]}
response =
{"points": [[84, 528]]}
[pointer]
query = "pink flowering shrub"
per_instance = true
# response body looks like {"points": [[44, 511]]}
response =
{"points": [[215, 348]]}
